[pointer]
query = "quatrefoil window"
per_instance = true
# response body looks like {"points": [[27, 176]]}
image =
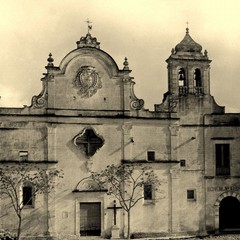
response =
{"points": [[88, 141]]}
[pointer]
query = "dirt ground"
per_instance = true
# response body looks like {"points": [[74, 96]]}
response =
{"points": [[220, 237]]}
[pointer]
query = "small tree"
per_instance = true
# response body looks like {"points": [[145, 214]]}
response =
{"points": [[14, 176], [125, 182]]}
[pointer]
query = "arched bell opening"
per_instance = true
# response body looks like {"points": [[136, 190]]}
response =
{"points": [[182, 84], [198, 87]]}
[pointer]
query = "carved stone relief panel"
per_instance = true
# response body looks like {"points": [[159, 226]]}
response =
{"points": [[87, 81]]}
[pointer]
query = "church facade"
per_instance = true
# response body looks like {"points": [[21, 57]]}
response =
{"points": [[87, 117]]}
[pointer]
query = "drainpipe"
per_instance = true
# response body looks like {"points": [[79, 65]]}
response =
{"points": [[204, 179], [170, 204], [170, 180], [123, 149]]}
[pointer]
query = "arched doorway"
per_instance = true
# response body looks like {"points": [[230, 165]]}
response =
{"points": [[229, 214]]}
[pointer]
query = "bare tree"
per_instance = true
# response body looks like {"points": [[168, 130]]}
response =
{"points": [[125, 182], [13, 177]]}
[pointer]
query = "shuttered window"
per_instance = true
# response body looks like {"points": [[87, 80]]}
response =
{"points": [[222, 159]]}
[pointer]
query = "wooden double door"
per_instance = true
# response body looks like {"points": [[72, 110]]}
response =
{"points": [[90, 219]]}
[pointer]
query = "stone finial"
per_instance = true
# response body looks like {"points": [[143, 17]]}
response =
{"points": [[88, 41], [125, 64], [50, 61], [205, 53]]}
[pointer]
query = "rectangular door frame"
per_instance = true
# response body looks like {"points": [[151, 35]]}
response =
{"points": [[100, 217]]}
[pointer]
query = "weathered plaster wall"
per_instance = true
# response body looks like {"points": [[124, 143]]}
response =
{"points": [[23, 136]]}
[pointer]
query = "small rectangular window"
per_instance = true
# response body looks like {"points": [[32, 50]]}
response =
{"points": [[182, 163], [148, 192], [222, 159], [191, 194], [23, 155], [27, 196], [150, 155]]}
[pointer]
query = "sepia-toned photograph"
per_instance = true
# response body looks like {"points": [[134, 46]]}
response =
{"points": [[119, 119]]}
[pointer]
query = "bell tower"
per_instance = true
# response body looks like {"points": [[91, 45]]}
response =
{"points": [[188, 82], [188, 69]]}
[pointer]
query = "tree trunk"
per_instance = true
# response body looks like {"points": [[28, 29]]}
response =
{"points": [[19, 227], [128, 231]]}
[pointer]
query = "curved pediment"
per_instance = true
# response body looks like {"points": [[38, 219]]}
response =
{"points": [[87, 80], [89, 54]]}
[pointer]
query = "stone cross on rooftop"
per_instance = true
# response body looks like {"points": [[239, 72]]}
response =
{"points": [[187, 29]]}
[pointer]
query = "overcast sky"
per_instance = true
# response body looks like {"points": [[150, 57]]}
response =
{"points": [[145, 31]]}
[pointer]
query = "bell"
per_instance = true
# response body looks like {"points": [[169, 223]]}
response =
{"points": [[181, 76]]}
